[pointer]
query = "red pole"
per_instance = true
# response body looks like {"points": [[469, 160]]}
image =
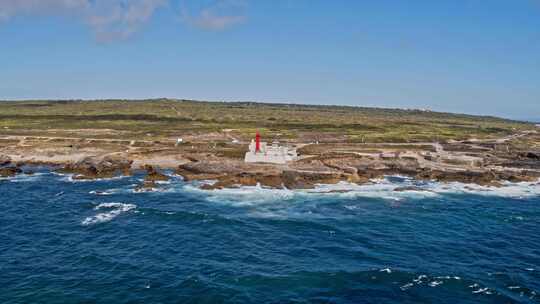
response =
{"points": [[258, 142]]}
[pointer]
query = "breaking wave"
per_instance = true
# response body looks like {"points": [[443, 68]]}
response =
{"points": [[390, 188], [115, 210], [21, 178], [70, 177]]}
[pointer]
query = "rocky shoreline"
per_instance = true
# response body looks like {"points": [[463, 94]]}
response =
{"points": [[303, 174], [346, 171], [483, 162]]}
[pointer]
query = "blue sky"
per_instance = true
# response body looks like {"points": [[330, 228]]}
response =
{"points": [[470, 56]]}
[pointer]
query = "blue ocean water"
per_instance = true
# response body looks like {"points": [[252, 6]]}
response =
{"points": [[102, 242]]}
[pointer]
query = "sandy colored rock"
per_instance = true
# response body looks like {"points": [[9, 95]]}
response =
{"points": [[91, 168], [9, 171], [4, 160]]}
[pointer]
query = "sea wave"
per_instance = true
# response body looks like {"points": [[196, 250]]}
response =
{"points": [[508, 189], [116, 210], [390, 188], [21, 178], [102, 193], [69, 177], [411, 283]]}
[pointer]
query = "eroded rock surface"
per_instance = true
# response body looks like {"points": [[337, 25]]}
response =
{"points": [[152, 178], [336, 168], [91, 168], [9, 171], [4, 160]]}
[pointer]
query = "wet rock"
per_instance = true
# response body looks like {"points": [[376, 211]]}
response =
{"points": [[308, 180], [333, 169], [411, 188], [517, 177], [530, 155], [4, 160], [520, 163], [337, 191], [90, 168], [152, 175], [9, 171], [483, 178], [152, 178]]}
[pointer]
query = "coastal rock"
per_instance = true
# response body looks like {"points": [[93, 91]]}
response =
{"points": [[517, 177], [331, 169], [153, 175], [199, 171], [152, 178], [211, 167], [206, 170], [190, 173], [530, 155], [9, 171], [246, 179], [411, 188], [308, 180], [90, 168], [5, 160], [483, 178]]}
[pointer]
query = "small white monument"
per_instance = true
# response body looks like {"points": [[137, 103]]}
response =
{"points": [[260, 152]]}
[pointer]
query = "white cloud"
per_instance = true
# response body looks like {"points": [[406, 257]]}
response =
{"points": [[210, 21], [218, 16], [119, 19], [9, 8], [109, 19], [113, 20]]}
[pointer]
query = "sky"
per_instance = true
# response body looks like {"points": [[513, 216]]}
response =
{"points": [[467, 56]]}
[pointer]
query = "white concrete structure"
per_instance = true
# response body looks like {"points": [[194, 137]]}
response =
{"points": [[269, 154]]}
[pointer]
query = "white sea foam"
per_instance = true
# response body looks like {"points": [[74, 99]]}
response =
{"points": [[420, 279], [116, 210], [263, 202], [245, 196], [406, 286], [481, 290], [147, 190], [435, 283], [107, 192], [508, 189], [21, 178], [385, 189], [69, 177]]}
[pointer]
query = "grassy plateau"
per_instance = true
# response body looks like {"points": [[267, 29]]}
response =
{"points": [[161, 119]]}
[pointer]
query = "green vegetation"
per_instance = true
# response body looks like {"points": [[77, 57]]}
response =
{"points": [[164, 118]]}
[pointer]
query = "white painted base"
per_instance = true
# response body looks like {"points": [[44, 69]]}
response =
{"points": [[260, 157]]}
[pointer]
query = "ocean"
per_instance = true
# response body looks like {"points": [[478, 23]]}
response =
{"points": [[65, 241]]}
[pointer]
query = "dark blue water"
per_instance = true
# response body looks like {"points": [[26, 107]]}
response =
{"points": [[62, 243]]}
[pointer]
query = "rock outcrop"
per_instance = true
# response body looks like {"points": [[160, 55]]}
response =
{"points": [[4, 160], [333, 170], [152, 178], [9, 171], [90, 168]]}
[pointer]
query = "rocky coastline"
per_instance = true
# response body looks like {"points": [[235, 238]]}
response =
{"points": [[303, 174]]}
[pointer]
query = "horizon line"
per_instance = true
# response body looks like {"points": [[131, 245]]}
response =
{"points": [[283, 103]]}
